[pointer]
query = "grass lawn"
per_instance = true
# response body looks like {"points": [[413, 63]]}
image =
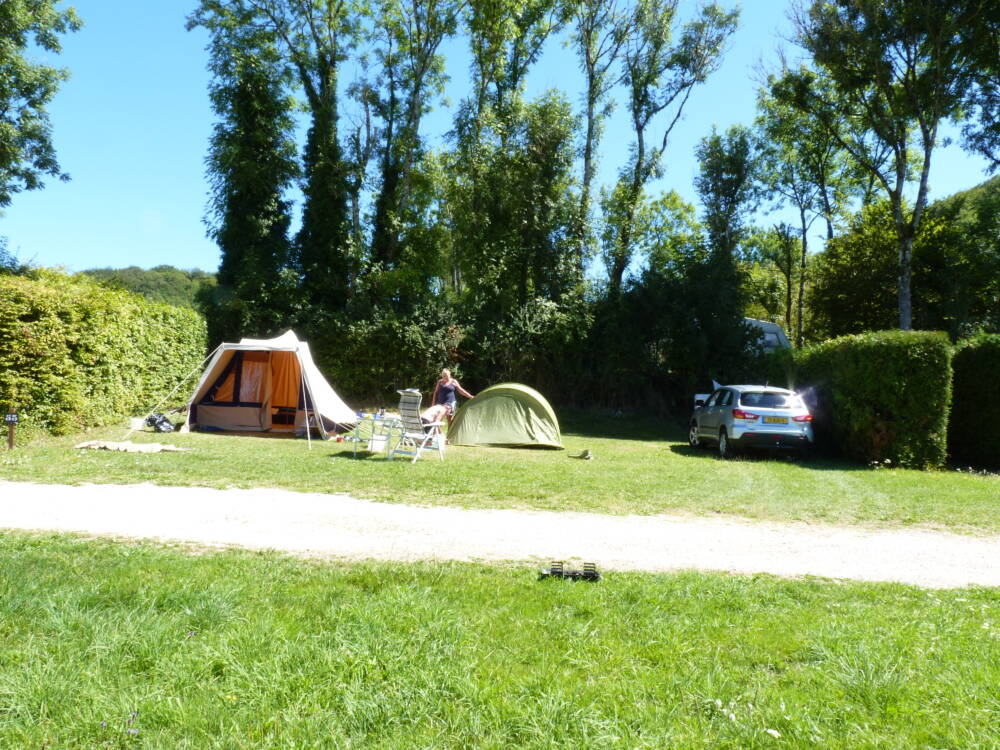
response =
{"points": [[246, 650], [641, 466]]}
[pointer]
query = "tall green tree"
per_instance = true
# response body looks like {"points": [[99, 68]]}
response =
{"points": [[982, 129], [894, 71], [408, 37], [490, 137], [251, 166], [660, 76], [26, 88], [727, 185], [676, 325], [803, 166], [516, 224], [774, 254], [956, 264], [506, 38], [314, 37], [601, 29]]}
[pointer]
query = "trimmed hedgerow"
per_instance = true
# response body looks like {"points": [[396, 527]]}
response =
{"points": [[974, 425], [881, 396], [75, 354]]}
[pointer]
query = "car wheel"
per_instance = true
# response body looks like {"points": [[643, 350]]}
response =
{"points": [[693, 439], [725, 449]]}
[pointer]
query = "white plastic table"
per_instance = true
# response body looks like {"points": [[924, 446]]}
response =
{"points": [[378, 431]]}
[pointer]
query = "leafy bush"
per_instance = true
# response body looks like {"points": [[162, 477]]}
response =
{"points": [[537, 345], [880, 396], [76, 354], [369, 357], [974, 425]]}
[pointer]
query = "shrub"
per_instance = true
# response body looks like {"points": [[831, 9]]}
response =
{"points": [[974, 425], [369, 358], [75, 354], [880, 396]]}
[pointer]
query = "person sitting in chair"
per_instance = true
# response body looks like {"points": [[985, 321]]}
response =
{"points": [[432, 414]]}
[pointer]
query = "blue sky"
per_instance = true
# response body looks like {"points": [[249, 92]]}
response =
{"points": [[132, 124]]}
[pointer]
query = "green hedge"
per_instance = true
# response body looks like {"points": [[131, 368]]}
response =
{"points": [[974, 426], [881, 396], [370, 358], [75, 354]]}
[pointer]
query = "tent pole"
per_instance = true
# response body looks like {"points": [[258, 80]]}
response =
{"points": [[305, 403]]}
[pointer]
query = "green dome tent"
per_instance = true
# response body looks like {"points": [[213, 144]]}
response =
{"points": [[507, 414]]}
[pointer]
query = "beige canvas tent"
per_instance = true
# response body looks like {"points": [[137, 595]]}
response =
{"points": [[266, 384]]}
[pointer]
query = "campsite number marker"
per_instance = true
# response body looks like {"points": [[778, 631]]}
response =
{"points": [[10, 420]]}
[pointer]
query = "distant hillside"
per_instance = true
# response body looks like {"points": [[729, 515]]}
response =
{"points": [[968, 199], [160, 284]]}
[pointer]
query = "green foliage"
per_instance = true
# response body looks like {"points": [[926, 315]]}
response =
{"points": [[26, 88], [166, 284], [727, 185], [855, 276], [537, 345], [251, 166], [659, 74], [513, 212], [371, 353], [957, 263], [772, 268], [888, 75], [675, 327], [803, 162], [412, 71], [982, 99], [974, 424], [956, 269], [74, 353], [514, 224], [264, 42], [601, 29], [880, 397]]}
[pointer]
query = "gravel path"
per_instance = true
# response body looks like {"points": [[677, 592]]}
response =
{"points": [[342, 527]]}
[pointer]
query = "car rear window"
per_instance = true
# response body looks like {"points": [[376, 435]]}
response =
{"points": [[769, 400]]}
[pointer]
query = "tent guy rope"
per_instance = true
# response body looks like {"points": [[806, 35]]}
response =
{"points": [[164, 400]]}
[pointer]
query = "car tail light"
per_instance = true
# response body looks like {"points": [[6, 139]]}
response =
{"points": [[803, 418], [740, 414]]}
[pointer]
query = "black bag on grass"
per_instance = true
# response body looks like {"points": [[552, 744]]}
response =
{"points": [[159, 423]]}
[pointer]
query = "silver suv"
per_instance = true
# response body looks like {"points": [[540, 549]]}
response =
{"points": [[744, 416]]}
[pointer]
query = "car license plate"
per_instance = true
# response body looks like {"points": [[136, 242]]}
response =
{"points": [[776, 420]]}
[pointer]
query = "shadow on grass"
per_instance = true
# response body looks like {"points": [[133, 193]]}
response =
{"points": [[818, 463], [618, 426], [361, 455]]}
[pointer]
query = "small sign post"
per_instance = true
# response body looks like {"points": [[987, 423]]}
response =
{"points": [[10, 419]]}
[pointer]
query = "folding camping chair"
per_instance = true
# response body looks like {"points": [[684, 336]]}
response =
{"points": [[415, 434]]}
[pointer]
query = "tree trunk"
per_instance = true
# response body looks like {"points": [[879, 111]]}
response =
{"points": [[787, 273], [588, 178], [799, 337], [905, 275], [827, 209], [624, 250]]}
